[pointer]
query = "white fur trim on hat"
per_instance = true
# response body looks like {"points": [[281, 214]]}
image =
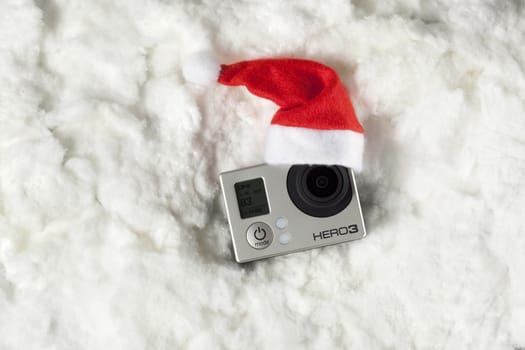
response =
{"points": [[293, 145]]}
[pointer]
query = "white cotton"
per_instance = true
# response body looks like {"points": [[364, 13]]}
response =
{"points": [[201, 68], [113, 232]]}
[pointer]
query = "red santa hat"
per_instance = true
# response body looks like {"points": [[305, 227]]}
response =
{"points": [[316, 122]]}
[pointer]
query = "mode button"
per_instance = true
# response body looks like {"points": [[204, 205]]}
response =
{"points": [[259, 235]]}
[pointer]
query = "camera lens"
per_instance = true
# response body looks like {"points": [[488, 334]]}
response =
{"points": [[319, 190], [322, 181]]}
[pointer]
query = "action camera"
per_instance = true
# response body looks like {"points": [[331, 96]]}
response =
{"points": [[280, 209]]}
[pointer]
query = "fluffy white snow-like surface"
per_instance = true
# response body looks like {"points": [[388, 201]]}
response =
{"points": [[112, 228]]}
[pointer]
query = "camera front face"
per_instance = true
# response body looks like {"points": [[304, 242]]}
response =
{"points": [[278, 209]]}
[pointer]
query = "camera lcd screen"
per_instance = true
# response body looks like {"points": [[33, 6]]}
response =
{"points": [[251, 197]]}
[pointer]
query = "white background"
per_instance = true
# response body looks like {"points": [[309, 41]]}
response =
{"points": [[112, 228]]}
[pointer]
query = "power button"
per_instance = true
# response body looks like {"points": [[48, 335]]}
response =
{"points": [[259, 235]]}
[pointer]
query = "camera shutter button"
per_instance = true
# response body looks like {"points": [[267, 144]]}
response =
{"points": [[259, 235]]}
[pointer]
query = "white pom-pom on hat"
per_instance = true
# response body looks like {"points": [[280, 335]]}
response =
{"points": [[201, 68]]}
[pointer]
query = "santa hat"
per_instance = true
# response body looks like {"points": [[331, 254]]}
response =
{"points": [[316, 122]]}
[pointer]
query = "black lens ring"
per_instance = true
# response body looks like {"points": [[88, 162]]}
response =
{"points": [[311, 204]]}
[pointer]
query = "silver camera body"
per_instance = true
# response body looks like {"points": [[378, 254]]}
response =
{"points": [[279, 209]]}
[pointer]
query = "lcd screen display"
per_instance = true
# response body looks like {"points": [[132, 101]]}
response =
{"points": [[251, 197]]}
